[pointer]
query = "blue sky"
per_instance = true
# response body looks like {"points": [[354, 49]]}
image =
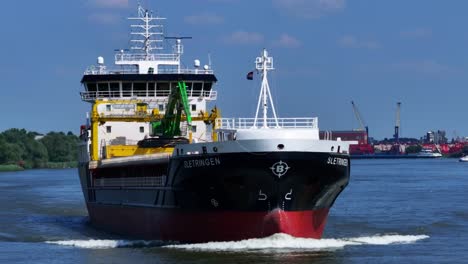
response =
{"points": [[327, 53]]}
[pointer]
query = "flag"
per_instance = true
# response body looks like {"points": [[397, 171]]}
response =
{"points": [[250, 75]]}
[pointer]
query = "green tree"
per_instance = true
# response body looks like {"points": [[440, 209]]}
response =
{"points": [[21, 147], [18, 146], [61, 147]]}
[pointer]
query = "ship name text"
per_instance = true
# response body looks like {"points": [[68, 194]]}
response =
{"points": [[197, 163], [337, 161]]}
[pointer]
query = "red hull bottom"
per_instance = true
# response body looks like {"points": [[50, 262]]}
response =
{"points": [[174, 225]]}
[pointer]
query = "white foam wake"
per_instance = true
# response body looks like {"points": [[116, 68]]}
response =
{"points": [[99, 243], [284, 241], [276, 241]]}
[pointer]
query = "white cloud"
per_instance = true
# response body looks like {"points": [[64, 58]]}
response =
{"points": [[204, 19], [244, 37], [350, 41], [309, 8], [287, 41], [417, 33], [104, 18], [109, 3]]}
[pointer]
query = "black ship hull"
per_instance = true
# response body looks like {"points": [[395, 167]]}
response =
{"points": [[223, 196]]}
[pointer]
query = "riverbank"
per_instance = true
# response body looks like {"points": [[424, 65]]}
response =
{"points": [[5, 168], [48, 165]]}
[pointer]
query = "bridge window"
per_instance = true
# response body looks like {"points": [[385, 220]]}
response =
{"points": [[139, 89], [103, 89], [174, 85], [108, 129], [151, 88], [91, 87], [115, 89], [162, 89], [126, 89], [142, 129], [194, 129], [197, 88], [194, 107], [207, 86]]}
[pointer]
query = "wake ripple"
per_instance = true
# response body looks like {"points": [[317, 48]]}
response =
{"points": [[276, 241], [284, 241], [106, 243]]}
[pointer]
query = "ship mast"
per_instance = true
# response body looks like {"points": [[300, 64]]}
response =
{"points": [[145, 30], [147, 36], [265, 64]]}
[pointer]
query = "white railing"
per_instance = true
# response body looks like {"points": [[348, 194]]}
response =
{"points": [[121, 57], [93, 70], [247, 123], [91, 96]]}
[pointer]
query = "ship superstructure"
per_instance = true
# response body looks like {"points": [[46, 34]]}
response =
{"points": [[156, 164], [135, 92]]}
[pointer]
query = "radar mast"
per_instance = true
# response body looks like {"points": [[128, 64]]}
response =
{"points": [[265, 64]]}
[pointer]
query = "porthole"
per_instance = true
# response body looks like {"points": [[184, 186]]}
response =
{"points": [[280, 146]]}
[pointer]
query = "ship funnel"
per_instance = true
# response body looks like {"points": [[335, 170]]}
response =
{"points": [[100, 60]]}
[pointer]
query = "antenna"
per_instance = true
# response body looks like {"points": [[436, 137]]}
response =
{"points": [[178, 48], [209, 60]]}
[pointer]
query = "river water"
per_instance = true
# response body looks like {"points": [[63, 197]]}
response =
{"points": [[393, 211]]}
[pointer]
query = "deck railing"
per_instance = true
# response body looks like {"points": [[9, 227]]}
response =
{"points": [[122, 57], [95, 70], [247, 123], [91, 96]]}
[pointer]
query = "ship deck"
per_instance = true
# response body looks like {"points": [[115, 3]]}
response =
{"points": [[157, 158]]}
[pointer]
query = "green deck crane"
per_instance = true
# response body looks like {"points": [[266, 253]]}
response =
{"points": [[169, 126]]}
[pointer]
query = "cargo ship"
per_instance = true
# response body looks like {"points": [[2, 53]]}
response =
{"points": [[156, 164]]}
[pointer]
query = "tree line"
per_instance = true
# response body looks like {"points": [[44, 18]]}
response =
{"points": [[33, 150]]}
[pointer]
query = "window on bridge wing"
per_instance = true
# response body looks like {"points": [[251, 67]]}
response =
{"points": [[207, 86], [91, 87], [197, 89]]}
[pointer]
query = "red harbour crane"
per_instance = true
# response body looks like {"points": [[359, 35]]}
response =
{"points": [[362, 126]]}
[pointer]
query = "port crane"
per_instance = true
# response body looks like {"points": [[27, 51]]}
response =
{"points": [[362, 127]]}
